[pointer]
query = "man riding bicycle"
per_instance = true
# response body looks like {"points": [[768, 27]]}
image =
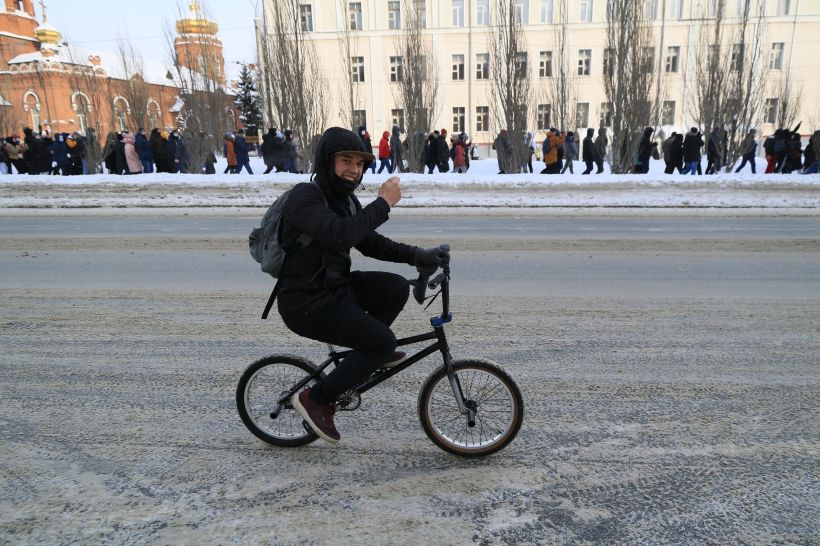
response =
{"points": [[319, 297]]}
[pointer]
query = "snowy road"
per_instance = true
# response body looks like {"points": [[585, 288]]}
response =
{"points": [[669, 372]]}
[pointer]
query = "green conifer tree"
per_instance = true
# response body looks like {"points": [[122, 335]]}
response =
{"points": [[248, 102]]}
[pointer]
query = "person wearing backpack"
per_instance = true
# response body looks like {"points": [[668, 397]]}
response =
{"points": [[549, 150], [319, 297]]}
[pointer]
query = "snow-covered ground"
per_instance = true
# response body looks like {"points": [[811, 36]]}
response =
{"points": [[480, 188]]}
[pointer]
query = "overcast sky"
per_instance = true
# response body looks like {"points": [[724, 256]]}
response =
{"points": [[100, 24]]}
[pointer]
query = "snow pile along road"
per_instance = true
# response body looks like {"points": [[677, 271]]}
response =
{"points": [[480, 188]]}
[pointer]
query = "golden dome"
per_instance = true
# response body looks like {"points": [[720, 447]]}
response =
{"points": [[196, 23], [47, 34]]}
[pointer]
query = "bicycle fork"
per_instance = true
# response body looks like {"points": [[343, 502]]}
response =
{"points": [[466, 407]]}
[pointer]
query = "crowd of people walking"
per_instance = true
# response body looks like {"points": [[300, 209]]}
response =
{"points": [[161, 151]]}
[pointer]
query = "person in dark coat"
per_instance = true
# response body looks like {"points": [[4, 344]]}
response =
{"points": [[158, 151], [748, 147], [600, 148], [267, 150], [241, 149], [144, 152], [76, 148], [120, 163], [396, 151], [647, 148], [429, 154], [171, 144], [794, 154], [109, 153], [812, 154], [676, 152], [692, 145], [61, 159], [320, 298], [587, 152], [442, 152], [715, 150], [42, 157]]}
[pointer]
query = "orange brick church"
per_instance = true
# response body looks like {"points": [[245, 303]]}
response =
{"points": [[50, 86]]}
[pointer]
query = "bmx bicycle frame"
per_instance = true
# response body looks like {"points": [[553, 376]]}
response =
{"points": [[383, 374]]}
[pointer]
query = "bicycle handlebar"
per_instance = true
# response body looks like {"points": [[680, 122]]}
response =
{"points": [[424, 282]]}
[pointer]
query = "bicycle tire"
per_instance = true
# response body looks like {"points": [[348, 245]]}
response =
{"points": [[259, 388], [499, 409]]}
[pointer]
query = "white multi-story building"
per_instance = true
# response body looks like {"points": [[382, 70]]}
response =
{"points": [[459, 33]]}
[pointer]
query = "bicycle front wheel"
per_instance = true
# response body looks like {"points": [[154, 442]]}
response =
{"points": [[489, 391], [261, 386]]}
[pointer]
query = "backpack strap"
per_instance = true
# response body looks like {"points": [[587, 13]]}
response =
{"points": [[271, 299]]}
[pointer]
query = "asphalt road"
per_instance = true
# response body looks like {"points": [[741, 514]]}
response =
{"points": [[669, 368]]}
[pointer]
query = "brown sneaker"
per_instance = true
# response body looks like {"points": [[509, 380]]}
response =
{"points": [[319, 417], [394, 359]]}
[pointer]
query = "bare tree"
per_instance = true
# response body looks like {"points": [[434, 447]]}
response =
{"points": [[747, 79], [562, 89], [204, 98], [710, 101], [295, 88], [627, 78], [417, 85], [510, 87], [350, 89], [789, 100], [135, 88]]}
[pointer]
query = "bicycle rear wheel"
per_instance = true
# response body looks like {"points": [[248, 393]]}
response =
{"points": [[490, 391], [257, 394]]}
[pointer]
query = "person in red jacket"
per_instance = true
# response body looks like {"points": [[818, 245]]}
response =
{"points": [[384, 153]]}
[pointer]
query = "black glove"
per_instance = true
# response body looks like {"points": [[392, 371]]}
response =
{"points": [[431, 258]]}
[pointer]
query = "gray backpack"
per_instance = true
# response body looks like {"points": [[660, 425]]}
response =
{"points": [[266, 241], [266, 246]]}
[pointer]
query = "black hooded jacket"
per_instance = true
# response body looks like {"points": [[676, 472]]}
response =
{"points": [[322, 209]]}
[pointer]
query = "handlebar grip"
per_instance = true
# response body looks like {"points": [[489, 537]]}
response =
{"points": [[420, 287], [436, 281]]}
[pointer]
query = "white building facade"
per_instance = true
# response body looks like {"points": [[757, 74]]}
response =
{"points": [[459, 33]]}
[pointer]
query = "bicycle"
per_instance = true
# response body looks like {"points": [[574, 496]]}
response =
{"points": [[470, 408]]}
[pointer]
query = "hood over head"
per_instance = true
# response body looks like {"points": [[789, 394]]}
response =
{"points": [[334, 141], [385, 135], [590, 132]]}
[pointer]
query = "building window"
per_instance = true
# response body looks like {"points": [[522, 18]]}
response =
{"points": [[673, 59], [121, 111], [396, 69], [458, 13], [649, 60], [394, 15], [154, 114], [545, 65], [359, 118], [650, 9], [482, 118], [676, 9], [522, 11], [582, 115], [542, 116], [306, 17], [776, 59], [585, 13], [784, 7], [742, 8], [482, 12], [771, 111], [737, 57], [421, 13], [355, 15], [459, 119], [714, 5], [521, 68], [584, 62], [397, 118], [458, 67], [546, 11], [609, 61], [482, 66], [357, 66], [605, 115], [668, 113]]}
